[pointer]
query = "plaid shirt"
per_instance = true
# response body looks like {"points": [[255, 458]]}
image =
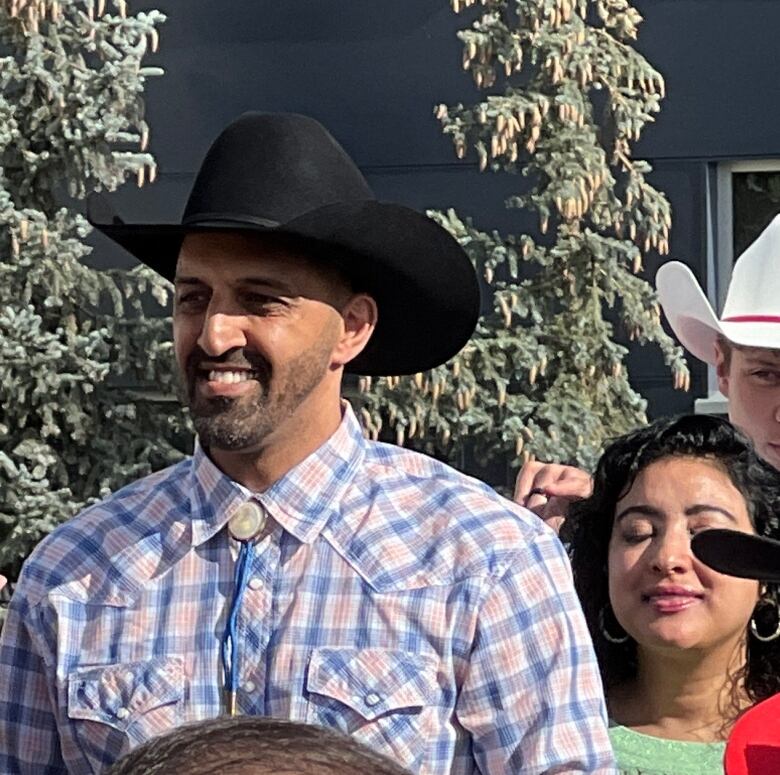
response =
{"points": [[391, 598]]}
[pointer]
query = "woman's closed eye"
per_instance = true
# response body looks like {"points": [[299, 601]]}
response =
{"points": [[708, 522], [636, 531]]}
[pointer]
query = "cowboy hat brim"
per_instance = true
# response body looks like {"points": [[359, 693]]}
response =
{"points": [[423, 282], [695, 323], [687, 310], [745, 555]]}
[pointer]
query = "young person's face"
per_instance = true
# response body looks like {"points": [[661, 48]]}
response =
{"points": [[661, 594], [750, 378]]}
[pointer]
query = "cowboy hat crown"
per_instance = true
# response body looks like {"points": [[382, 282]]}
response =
{"points": [[751, 314], [300, 164], [283, 173]]}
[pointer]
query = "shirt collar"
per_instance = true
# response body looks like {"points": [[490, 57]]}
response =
{"points": [[302, 501]]}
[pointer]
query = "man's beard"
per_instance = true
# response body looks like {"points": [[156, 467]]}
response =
{"points": [[244, 422]]}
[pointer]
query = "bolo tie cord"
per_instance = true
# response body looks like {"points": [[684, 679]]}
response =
{"points": [[230, 640]]}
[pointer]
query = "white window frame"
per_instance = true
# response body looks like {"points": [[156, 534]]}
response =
{"points": [[720, 252]]}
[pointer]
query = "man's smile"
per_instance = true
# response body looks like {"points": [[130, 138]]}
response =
{"points": [[226, 376], [213, 382]]}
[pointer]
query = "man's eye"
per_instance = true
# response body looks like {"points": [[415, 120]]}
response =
{"points": [[192, 296], [765, 375], [262, 300]]}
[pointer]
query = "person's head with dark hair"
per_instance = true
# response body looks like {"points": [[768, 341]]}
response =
{"points": [[656, 613], [251, 745]]}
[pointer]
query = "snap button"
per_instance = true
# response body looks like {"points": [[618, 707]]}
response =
{"points": [[255, 583], [122, 713], [249, 687], [372, 698], [247, 521]]}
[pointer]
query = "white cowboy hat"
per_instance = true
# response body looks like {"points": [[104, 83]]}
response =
{"points": [[751, 314]]}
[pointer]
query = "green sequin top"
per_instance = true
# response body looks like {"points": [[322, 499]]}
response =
{"points": [[639, 754]]}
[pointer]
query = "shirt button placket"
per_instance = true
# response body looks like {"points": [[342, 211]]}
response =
{"points": [[256, 625]]}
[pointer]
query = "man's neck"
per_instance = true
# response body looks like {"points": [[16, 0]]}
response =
{"points": [[288, 445], [692, 700]]}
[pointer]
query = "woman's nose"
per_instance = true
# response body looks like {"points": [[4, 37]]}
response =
{"points": [[673, 553]]}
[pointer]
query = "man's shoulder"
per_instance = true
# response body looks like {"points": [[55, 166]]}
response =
{"points": [[394, 468], [83, 546], [449, 526]]}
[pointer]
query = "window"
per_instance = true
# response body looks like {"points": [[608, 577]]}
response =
{"points": [[743, 197]]}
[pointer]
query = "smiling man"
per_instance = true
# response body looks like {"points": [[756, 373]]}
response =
{"points": [[291, 568], [260, 373]]}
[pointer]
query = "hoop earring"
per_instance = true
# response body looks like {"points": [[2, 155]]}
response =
{"points": [[754, 627], [624, 638]]}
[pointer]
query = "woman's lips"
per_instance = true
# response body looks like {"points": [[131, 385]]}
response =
{"points": [[671, 604], [670, 600]]}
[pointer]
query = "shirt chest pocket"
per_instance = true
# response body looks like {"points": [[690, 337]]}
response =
{"points": [[114, 708], [381, 697]]}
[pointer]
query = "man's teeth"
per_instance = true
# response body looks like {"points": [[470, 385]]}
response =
{"points": [[230, 376]]}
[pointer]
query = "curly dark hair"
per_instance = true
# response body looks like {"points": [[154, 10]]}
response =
{"points": [[588, 528]]}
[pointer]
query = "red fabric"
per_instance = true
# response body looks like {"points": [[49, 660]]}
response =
{"points": [[753, 747], [752, 319]]}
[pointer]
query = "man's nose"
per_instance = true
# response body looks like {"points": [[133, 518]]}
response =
{"points": [[221, 332]]}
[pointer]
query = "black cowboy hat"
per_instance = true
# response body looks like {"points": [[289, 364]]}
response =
{"points": [[285, 174], [740, 554]]}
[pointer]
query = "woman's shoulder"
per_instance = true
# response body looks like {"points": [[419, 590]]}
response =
{"points": [[640, 754]]}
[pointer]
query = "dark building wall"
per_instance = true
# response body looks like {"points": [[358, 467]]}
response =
{"points": [[372, 71]]}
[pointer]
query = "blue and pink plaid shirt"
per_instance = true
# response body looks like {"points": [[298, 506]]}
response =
{"points": [[390, 597]]}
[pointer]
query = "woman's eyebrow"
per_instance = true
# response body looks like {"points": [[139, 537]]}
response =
{"points": [[692, 511], [639, 508]]}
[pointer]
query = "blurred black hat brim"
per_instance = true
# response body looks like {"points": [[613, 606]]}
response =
{"points": [[284, 174], [745, 555]]}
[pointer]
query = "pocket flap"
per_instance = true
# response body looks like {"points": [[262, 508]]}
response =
{"points": [[372, 681], [117, 694]]}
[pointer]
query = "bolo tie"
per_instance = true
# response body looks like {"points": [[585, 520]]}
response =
{"points": [[244, 526]]}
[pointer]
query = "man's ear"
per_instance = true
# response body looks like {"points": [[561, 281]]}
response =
{"points": [[360, 315], [722, 369]]}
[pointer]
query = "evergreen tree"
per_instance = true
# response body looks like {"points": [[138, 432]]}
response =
{"points": [[544, 374], [72, 339]]}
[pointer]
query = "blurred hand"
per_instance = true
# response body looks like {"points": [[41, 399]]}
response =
{"points": [[3, 581], [547, 489]]}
